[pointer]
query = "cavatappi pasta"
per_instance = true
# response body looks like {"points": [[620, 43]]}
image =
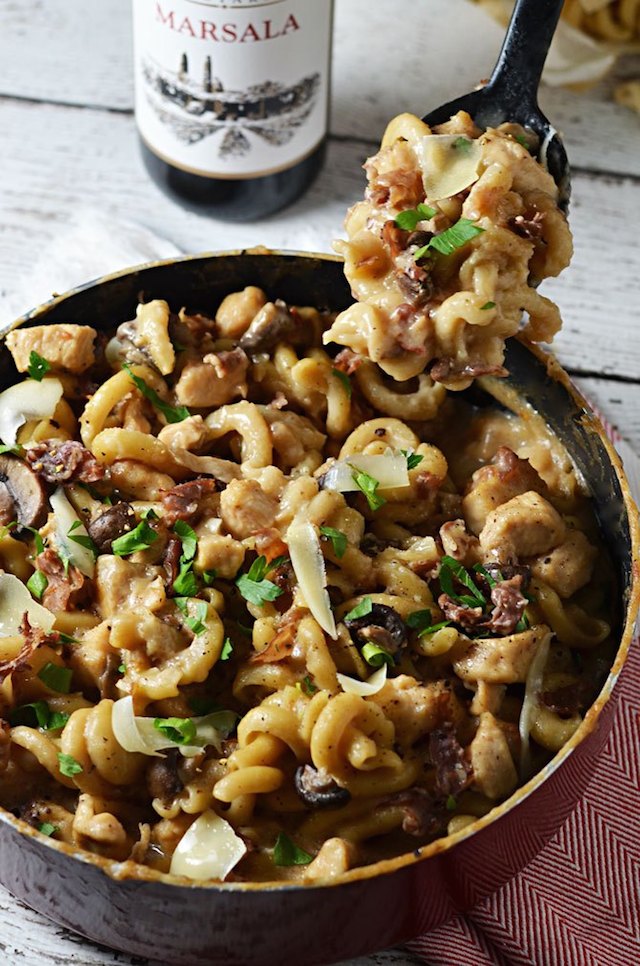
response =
{"points": [[457, 228], [266, 614]]}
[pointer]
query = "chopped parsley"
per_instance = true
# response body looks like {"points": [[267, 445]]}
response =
{"points": [[47, 829], [208, 577], [375, 655], [410, 218], [15, 450], [487, 306], [37, 538], [419, 619], [451, 239], [122, 668], [186, 583], [450, 569], [286, 852], [182, 731], [83, 539], [523, 624], [462, 144], [38, 714], [38, 367], [173, 414], [432, 628], [254, 586], [196, 620], [413, 459], [37, 584], [140, 538], [521, 139], [227, 649], [307, 685], [451, 804], [338, 540], [68, 765], [479, 569], [369, 487], [360, 610], [55, 677], [344, 379]]}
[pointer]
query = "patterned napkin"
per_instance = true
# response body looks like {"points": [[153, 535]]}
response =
{"points": [[578, 902]]}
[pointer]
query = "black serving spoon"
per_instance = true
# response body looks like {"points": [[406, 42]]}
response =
{"points": [[512, 91]]}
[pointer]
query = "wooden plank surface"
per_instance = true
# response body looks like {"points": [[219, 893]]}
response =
{"points": [[68, 140], [598, 295]]}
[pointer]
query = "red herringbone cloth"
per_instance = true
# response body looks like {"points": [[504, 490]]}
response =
{"points": [[578, 902]]}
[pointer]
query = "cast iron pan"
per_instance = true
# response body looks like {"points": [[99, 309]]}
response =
{"points": [[380, 905]]}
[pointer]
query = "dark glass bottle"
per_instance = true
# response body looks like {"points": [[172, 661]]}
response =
{"points": [[232, 100]]}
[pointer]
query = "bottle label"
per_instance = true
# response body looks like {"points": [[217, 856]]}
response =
{"points": [[232, 89]]}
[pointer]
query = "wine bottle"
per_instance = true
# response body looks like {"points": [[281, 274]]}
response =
{"points": [[232, 99]]}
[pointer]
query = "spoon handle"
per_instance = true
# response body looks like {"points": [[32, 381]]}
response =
{"points": [[517, 73]]}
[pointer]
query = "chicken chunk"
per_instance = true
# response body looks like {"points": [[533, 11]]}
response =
{"points": [[499, 660], [238, 310], [568, 567], [189, 433], [505, 477], [218, 379], [245, 508], [124, 585], [522, 527], [416, 709], [494, 773], [217, 552], [64, 346]]}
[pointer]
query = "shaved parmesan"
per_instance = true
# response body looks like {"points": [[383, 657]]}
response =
{"points": [[449, 163], [25, 401], [364, 688], [68, 525], [15, 602], [223, 470], [389, 469], [532, 687], [209, 849], [308, 563], [139, 734]]}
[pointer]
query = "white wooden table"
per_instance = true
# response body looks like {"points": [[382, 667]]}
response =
{"points": [[67, 139]]}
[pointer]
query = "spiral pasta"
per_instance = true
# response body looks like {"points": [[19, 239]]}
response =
{"points": [[324, 617]]}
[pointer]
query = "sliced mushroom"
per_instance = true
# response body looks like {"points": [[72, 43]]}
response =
{"points": [[272, 324], [20, 485], [382, 625], [111, 523], [318, 789]]}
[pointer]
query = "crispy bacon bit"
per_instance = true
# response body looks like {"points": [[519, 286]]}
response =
{"points": [[456, 541], [400, 188], [347, 361], [422, 815], [445, 369], [63, 461], [409, 330], [394, 238], [64, 591], [269, 544], [453, 770], [228, 361], [33, 638], [182, 502], [110, 676], [5, 744], [171, 561], [530, 228], [510, 604], [277, 649]]}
